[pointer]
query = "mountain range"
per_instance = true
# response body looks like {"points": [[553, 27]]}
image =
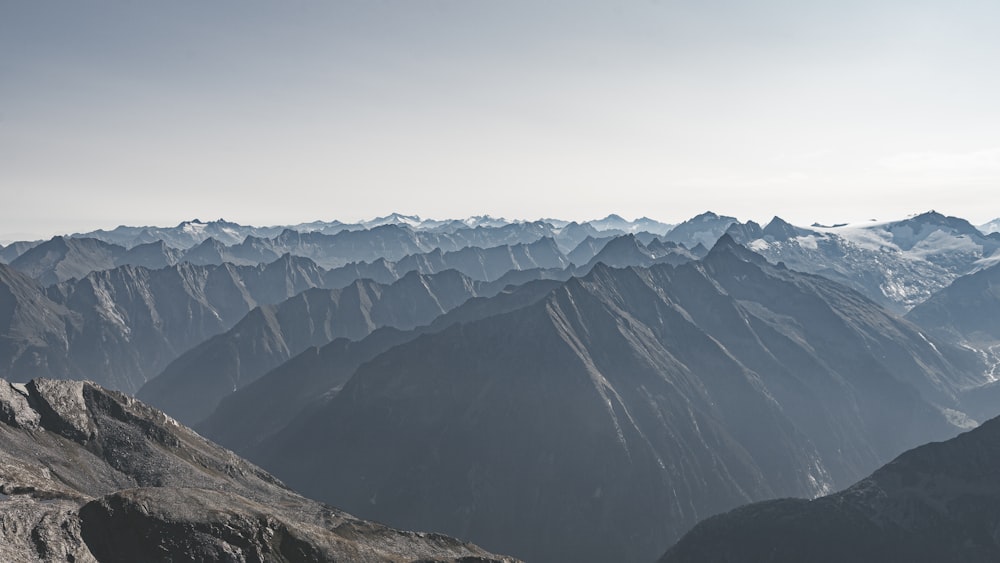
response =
{"points": [[191, 386], [897, 264], [555, 390], [121, 327], [623, 405]]}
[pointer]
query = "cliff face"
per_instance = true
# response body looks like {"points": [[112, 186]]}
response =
{"points": [[93, 475]]}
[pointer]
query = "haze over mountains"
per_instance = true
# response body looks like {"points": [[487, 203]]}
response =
{"points": [[552, 390]]}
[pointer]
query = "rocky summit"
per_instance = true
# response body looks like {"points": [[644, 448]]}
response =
{"points": [[94, 475]]}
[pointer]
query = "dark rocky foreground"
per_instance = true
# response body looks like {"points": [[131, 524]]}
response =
{"points": [[937, 503], [88, 474]]}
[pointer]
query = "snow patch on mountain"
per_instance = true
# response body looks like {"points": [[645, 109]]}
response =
{"points": [[897, 263], [810, 242], [988, 261], [991, 227]]}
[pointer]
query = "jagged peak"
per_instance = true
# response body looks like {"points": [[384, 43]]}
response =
{"points": [[709, 216], [622, 242], [211, 242], [780, 229], [778, 222], [930, 215], [727, 246]]}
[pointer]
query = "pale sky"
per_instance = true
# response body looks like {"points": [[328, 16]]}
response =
{"points": [[281, 112]]}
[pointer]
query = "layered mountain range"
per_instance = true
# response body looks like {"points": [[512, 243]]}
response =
{"points": [[331, 245], [145, 318], [121, 327], [897, 264], [551, 389], [192, 385], [626, 404]]}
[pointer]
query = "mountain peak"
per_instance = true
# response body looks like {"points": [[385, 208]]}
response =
{"points": [[727, 246], [781, 230], [706, 216]]}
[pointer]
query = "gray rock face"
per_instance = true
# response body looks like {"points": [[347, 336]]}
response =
{"points": [[93, 475], [10, 252], [64, 258], [937, 503], [967, 311], [123, 326]]}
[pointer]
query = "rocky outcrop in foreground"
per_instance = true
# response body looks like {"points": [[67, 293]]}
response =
{"points": [[89, 474]]}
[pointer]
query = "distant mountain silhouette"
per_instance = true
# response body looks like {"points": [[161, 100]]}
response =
{"points": [[193, 384]]}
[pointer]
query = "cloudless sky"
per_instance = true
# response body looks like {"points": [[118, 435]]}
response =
{"points": [[141, 112]]}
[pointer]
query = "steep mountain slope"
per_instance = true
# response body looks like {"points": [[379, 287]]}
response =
{"points": [[991, 227], [602, 421], [572, 234], [587, 249], [967, 313], [152, 255], [13, 250], [251, 414], [937, 503], [93, 475], [123, 326], [34, 330], [193, 384], [897, 264], [63, 258], [212, 251]]}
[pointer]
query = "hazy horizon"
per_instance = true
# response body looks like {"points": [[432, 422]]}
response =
{"points": [[266, 113], [7, 239]]}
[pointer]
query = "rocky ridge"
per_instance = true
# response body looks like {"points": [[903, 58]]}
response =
{"points": [[94, 475]]}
